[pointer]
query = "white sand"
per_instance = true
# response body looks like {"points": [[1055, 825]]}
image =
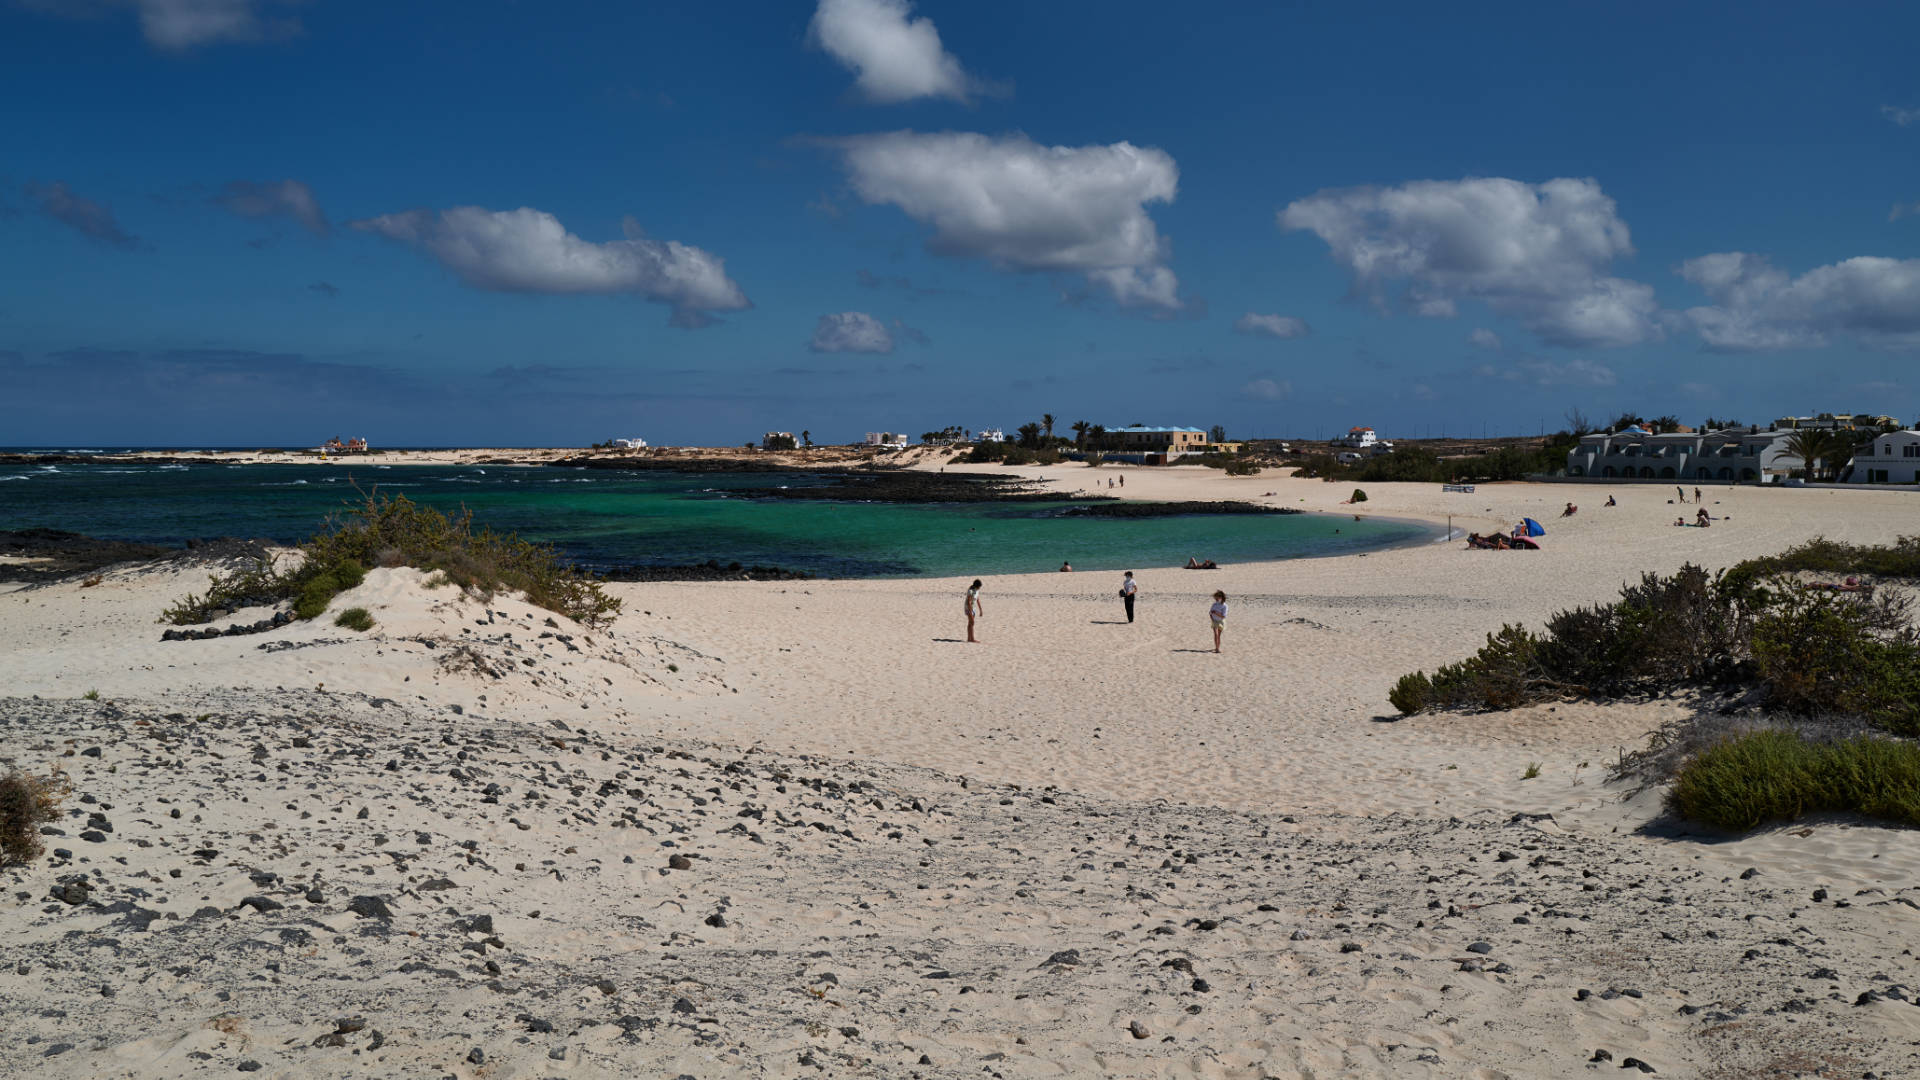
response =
{"points": [[1157, 748]]}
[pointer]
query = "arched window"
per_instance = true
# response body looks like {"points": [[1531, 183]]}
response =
{"points": [[1607, 471], [1726, 473], [1646, 472], [1666, 473]]}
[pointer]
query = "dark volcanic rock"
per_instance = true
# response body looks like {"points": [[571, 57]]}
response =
{"points": [[69, 554], [711, 570], [1149, 510], [912, 487]]}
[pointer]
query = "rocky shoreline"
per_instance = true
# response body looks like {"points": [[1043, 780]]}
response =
{"points": [[711, 570], [1181, 509], [913, 487], [54, 554]]}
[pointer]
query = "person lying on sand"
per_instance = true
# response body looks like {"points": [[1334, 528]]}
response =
{"points": [[1570, 510], [1852, 584], [1198, 564]]}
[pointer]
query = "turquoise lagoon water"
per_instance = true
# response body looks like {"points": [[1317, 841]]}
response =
{"points": [[604, 518]]}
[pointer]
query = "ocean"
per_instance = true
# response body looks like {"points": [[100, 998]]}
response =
{"points": [[604, 518]]}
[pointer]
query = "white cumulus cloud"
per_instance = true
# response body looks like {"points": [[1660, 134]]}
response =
{"points": [[893, 57], [1903, 117], [1533, 252], [1267, 389], [1485, 339], [289, 197], [851, 331], [1024, 206], [527, 250], [1279, 326], [1756, 305]]}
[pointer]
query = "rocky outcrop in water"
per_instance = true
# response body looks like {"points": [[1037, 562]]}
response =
{"points": [[1148, 510], [914, 487], [711, 570]]}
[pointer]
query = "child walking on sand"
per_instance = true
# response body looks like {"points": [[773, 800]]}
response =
{"points": [[974, 608], [1218, 613]]}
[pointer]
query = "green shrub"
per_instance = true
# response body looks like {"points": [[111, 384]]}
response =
{"points": [[1768, 776], [355, 618], [1901, 559], [1358, 496], [1412, 694], [1825, 654], [1242, 467], [26, 803], [258, 584], [1506, 672], [1663, 632]]}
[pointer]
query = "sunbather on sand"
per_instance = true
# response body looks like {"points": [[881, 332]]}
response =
{"points": [[1852, 584]]}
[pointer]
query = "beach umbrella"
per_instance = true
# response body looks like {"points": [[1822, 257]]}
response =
{"points": [[1533, 527]]}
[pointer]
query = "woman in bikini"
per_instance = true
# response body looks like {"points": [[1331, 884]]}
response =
{"points": [[1218, 614], [974, 608]]}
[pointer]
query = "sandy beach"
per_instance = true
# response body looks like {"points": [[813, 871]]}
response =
{"points": [[803, 829]]}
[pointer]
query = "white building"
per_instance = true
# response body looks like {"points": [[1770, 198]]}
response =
{"points": [[1359, 436], [1738, 455], [989, 435], [630, 444], [891, 440], [1892, 458]]}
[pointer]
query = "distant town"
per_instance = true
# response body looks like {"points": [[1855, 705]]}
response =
{"points": [[1835, 448]]}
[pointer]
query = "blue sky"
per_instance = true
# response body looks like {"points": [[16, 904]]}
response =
{"points": [[267, 222]]}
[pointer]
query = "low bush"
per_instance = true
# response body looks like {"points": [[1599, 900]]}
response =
{"points": [[1768, 776], [1358, 496], [27, 801], [1241, 467], [1816, 654], [1821, 654], [394, 531], [1901, 559], [355, 618]]}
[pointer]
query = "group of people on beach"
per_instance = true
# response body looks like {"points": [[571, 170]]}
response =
{"points": [[1129, 590]]}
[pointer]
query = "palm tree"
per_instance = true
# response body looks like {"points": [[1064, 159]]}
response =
{"points": [[807, 437], [1810, 445], [1030, 436], [1080, 429], [1046, 421], [1098, 433]]}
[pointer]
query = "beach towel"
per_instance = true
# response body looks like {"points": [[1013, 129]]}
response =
{"points": [[1533, 527]]}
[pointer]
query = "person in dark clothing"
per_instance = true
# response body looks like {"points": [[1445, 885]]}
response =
{"points": [[1127, 592]]}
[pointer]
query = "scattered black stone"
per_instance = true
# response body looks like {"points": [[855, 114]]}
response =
{"points": [[272, 622], [370, 907]]}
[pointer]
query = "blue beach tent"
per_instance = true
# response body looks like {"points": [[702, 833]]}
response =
{"points": [[1533, 527]]}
